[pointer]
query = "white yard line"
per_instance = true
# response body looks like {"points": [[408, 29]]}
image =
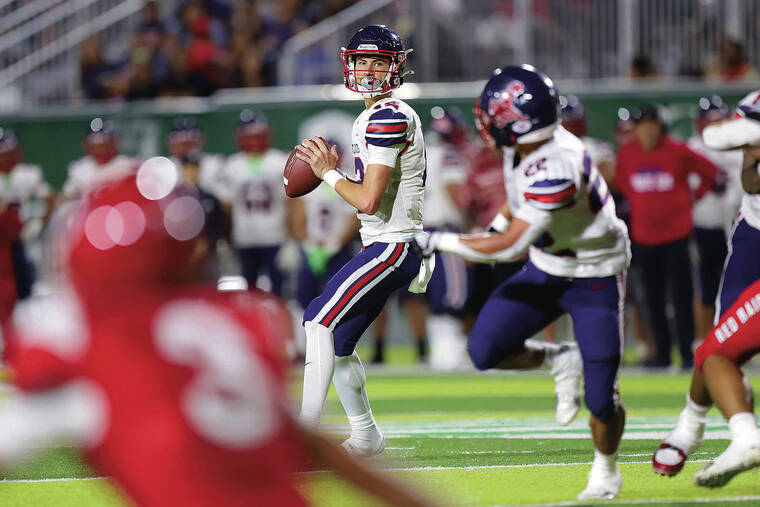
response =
{"points": [[66, 479], [652, 501], [485, 467]]}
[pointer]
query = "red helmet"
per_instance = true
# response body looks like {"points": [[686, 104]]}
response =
{"points": [[138, 230], [252, 132]]}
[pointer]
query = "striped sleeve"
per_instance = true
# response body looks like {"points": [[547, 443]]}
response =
{"points": [[551, 194], [387, 127]]}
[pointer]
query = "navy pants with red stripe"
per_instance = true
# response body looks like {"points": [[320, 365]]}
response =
{"points": [[354, 297], [532, 299]]}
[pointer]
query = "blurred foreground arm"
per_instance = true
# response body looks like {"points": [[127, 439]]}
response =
{"points": [[329, 454]]}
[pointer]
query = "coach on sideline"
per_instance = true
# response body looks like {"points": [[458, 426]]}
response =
{"points": [[652, 173]]}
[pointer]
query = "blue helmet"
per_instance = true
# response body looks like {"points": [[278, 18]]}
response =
{"points": [[519, 105], [377, 41], [8, 140], [709, 110], [185, 136], [573, 114]]}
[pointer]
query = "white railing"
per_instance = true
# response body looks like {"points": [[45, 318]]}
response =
{"points": [[39, 39], [589, 39]]}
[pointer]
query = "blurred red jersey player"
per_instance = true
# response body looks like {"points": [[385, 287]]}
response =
{"points": [[175, 391]]}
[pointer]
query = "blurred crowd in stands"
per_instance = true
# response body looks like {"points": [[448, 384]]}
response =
{"points": [[205, 45], [202, 46]]}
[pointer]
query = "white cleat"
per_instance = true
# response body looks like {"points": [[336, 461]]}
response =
{"points": [[737, 458], [567, 369], [602, 485], [670, 457], [364, 448]]}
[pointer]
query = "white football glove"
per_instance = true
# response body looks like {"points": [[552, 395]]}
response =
{"points": [[426, 243]]}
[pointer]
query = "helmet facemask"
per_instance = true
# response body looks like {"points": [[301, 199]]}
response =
{"points": [[371, 86]]}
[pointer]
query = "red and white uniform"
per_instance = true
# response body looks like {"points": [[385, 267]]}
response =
{"points": [[390, 133], [178, 396], [486, 192], [736, 336]]}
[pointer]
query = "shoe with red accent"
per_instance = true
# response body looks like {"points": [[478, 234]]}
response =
{"points": [[668, 460], [670, 457]]}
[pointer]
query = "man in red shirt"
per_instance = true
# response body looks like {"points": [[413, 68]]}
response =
{"points": [[175, 391], [652, 173]]}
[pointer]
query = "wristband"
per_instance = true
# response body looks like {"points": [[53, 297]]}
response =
{"points": [[500, 223], [332, 177], [448, 242]]}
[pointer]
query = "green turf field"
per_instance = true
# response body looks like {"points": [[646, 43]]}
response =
{"points": [[468, 439]]}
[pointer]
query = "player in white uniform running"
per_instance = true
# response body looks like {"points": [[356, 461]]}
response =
{"points": [[739, 272], [387, 190], [102, 161], [579, 251], [23, 185], [252, 187]]}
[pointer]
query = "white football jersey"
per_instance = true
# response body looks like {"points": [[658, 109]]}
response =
{"points": [[509, 180], [390, 133], [23, 183], [584, 238], [211, 176], [85, 173], [445, 166], [253, 185], [327, 216], [714, 210]]}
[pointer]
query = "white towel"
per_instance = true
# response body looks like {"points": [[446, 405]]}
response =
{"points": [[419, 284]]}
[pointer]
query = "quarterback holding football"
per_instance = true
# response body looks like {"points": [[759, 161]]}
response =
{"points": [[387, 190]]}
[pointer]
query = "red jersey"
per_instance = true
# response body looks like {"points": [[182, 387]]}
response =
{"points": [[10, 228], [185, 392], [656, 185], [485, 185]]}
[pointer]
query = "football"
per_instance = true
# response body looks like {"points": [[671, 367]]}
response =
{"points": [[298, 177]]}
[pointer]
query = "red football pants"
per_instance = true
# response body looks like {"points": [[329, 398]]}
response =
{"points": [[737, 334]]}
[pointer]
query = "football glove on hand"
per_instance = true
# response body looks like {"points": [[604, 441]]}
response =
{"points": [[425, 243]]}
